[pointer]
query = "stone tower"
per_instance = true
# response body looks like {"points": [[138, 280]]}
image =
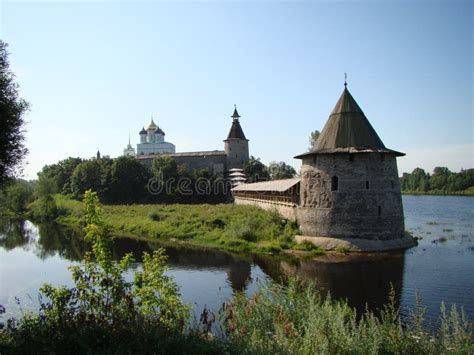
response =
{"points": [[236, 146], [349, 182]]}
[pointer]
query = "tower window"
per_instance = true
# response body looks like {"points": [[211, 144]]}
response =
{"points": [[334, 183], [392, 183], [367, 185], [382, 156], [351, 157], [379, 210]]}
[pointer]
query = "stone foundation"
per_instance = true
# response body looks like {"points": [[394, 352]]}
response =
{"points": [[360, 245]]}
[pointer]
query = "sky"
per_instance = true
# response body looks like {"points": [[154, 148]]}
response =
{"points": [[95, 72]]}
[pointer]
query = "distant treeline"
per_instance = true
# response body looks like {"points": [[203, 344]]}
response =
{"points": [[441, 181], [125, 180]]}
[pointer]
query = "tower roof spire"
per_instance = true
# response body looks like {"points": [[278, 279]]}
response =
{"points": [[235, 115], [347, 130], [236, 131]]}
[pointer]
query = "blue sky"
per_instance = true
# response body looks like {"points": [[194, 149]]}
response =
{"points": [[96, 71]]}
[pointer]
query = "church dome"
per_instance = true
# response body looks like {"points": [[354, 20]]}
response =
{"points": [[159, 131], [142, 131], [152, 125]]}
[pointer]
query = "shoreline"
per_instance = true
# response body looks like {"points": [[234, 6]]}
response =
{"points": [[428, 193]]}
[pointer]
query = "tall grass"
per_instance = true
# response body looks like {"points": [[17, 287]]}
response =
{"points": [[295, 319], [225, 226]]}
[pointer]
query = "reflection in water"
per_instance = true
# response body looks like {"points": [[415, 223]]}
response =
{"points": [[238, 270], [14, 234], [32, 255], [361, 280]]}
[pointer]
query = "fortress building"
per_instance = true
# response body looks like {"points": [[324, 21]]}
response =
{"points": [[349, 192], [235, 154]]}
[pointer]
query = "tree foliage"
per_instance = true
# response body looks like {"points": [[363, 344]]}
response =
{"points": [[61, 173], [12, 110], [313, 137], [441, 181], [15, 197], [281, 170], [255, 170]]}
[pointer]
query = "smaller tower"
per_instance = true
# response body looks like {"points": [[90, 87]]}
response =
{"points": [[236, 146], [129, 151]]}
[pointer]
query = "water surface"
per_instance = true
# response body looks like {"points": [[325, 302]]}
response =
{"points": [[440, 268]]}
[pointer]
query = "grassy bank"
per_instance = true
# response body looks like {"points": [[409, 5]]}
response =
{"points": [[225, 226]]}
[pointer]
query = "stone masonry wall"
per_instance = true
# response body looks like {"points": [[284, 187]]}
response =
{"points": [[237, 151], [367, 203]]}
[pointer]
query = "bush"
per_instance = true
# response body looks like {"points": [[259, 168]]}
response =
{"points": [[43, 209], [306, 245], [103, 311]]}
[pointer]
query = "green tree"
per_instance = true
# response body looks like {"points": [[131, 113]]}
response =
{"points": [[165, 166], [12, 110], [128, 180], [89, 175], [255, 170], [61, 172], [15, 197], [281, 170], [313, 137]]}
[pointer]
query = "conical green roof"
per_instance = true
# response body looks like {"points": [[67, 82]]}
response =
{"points": [[348, 131]]}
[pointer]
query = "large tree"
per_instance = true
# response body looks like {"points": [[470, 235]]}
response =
{"points": [[255, 170], [12, 110], [281, 170]]}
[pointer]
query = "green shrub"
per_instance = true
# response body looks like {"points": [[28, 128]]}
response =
{"points": [[103, 312], [156, 216]]}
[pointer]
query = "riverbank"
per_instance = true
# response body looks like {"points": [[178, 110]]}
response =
{"points": [[225, 226], [467, 192]]}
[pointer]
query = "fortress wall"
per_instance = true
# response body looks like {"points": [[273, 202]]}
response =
{"points": [[353, 210], [214, 163], [286, 210]]}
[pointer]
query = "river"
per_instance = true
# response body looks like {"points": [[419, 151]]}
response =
{"points": [[439, 269]]}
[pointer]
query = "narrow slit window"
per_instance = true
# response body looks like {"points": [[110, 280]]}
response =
{"points": [[367, 185], [379, 210], [392, 184], [351, 157], [382, 156], [334, 183]]}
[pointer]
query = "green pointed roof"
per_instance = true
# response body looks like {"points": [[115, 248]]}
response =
{"points": [[348, 131]]}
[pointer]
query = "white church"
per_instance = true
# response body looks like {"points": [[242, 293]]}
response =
{"points": [[152, 141]]}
